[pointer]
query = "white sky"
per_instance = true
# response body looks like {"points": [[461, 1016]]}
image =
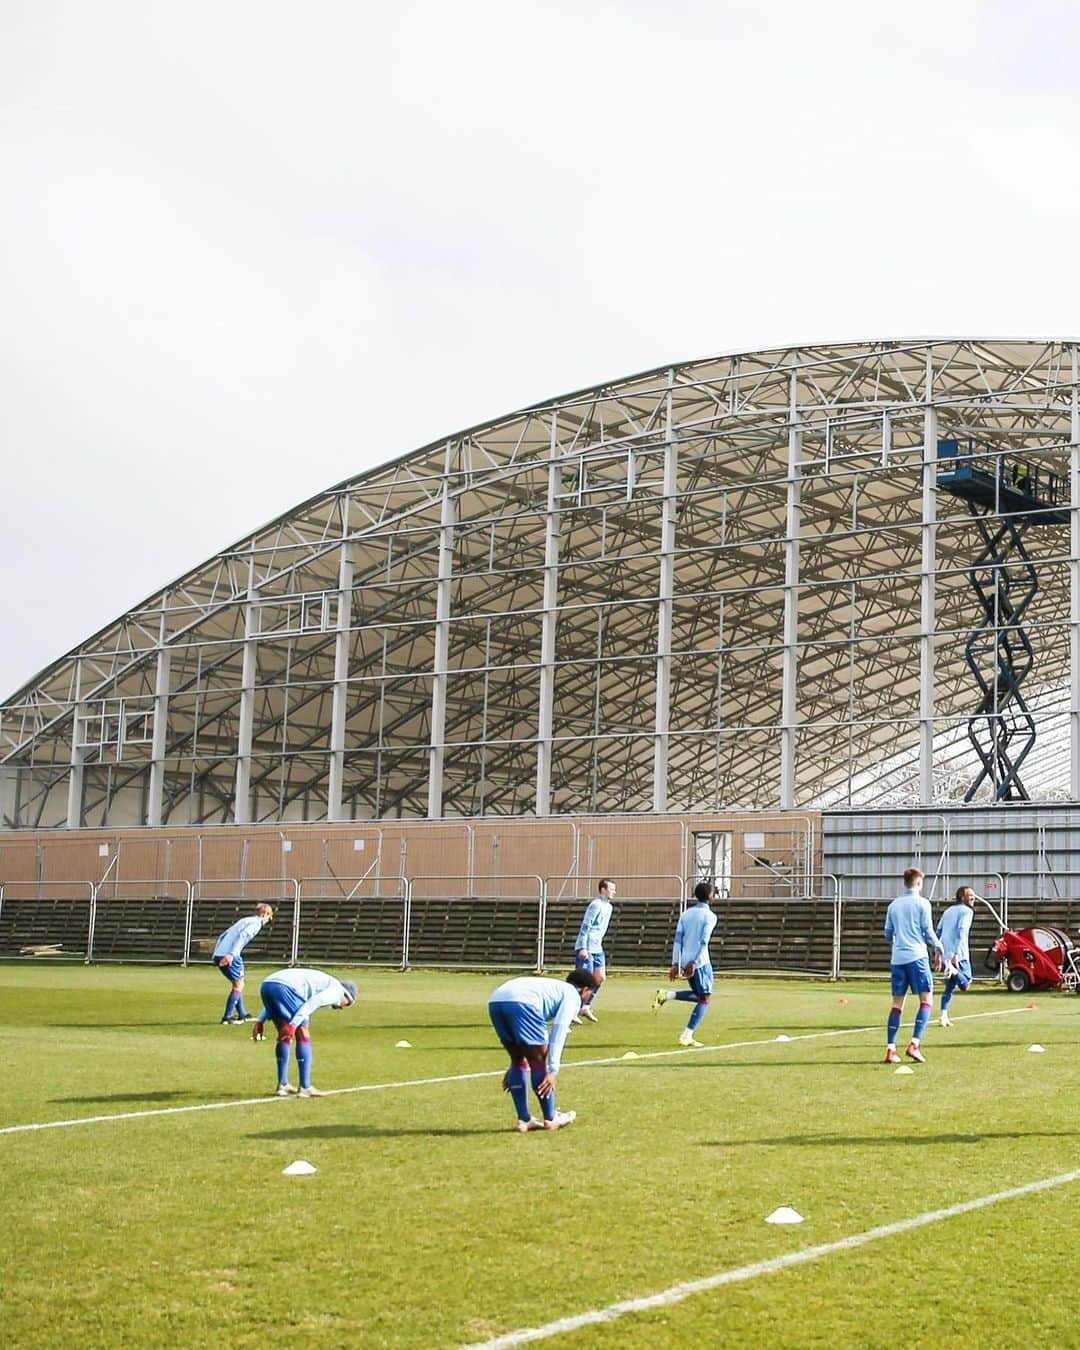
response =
{"points": [[250, 249]]}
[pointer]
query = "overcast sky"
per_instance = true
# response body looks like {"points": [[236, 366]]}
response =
{"points": [[250, 249]]}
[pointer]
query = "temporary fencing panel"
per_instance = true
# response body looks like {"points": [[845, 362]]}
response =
{"points": [[141, 921], [756, 933], [491, 922], [354, 920], [50, 919]]}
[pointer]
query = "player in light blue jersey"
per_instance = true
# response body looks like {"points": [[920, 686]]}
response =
{"points": [[520, 1011], [228, 960], [289, 998], [954, 931], [690, 954], [590, 943], [909, 925]]}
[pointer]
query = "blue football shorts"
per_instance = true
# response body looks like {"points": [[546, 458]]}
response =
{"points": [[912, 977], [280, 1002], [518, 1023], [234, 970], [963, 974], [701, 982], [594, 961]]}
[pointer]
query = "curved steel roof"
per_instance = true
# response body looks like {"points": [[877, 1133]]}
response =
{"points": [[579, 604]]}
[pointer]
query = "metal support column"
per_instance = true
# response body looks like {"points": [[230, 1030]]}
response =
{"points": [[789, 711], [339, 709], [442, 645], [1074, 585], [155, 795], [75, 774], [927, 594], [242, 804], [665, 606], [545, 739]]}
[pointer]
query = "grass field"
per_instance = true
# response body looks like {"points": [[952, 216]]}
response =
{"points": [[430, 1223]]}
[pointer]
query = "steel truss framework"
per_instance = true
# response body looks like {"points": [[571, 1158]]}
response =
{"points": [[730, 582]]}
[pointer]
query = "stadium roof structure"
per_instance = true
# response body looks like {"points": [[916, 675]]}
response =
{"points": [[816, 575]]}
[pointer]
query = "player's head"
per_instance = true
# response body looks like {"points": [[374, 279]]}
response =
{"points": [[350, 994], [706, 891], [582, 979], [965, 896], [913, 878], [264, 912], [606, 887]]}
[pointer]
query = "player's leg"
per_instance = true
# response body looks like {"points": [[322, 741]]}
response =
{"points": [[232, 973], [506, 1021], [922, 981], [303, 1056], [282, 1053], [538, 1071], [588, 998], [701, 987], [898, 978], [242, 1014]]}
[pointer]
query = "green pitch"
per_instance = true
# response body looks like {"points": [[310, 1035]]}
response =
{"points": [[430, 1223]]}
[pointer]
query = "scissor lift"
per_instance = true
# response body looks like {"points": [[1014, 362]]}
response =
{"points": [[1006, 495]]}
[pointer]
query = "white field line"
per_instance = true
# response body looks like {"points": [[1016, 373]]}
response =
{"points": [[463, 1077], [678, 1292]]}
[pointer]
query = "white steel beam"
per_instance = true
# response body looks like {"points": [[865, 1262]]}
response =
{"points": [[339, 706], [789, 688], [928, 593], [75, 774], [155, 793], [242, 801], [1074, 584], [443, 591], [545, 741], [665, 606]]}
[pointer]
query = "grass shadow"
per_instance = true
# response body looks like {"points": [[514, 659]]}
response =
{"points": [[886, 1141], [347, 1131]]}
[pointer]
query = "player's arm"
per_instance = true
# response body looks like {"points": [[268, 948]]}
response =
{"points": [[260, 1022], [560, 1029], [677, 950]]}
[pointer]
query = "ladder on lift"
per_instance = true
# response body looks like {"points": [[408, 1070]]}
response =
{"points": [[1005, 496]]}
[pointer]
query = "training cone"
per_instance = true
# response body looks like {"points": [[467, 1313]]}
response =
{"points": [[1036, 1050], [843, 1002], [631, 1054], [782, 1037], [1032, 1006], [403, 1045], [904, 1068], [784, 1215], [299, 1169]]}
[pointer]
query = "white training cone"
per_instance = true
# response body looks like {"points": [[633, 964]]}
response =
{"points": [[299, 1169], [630, 1054], [1036, 1050], [905, 1068], [783, 1038], [784, 1215], [403, 1045]]}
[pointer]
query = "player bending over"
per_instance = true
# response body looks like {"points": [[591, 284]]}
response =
{"points": [[953, 930], [289, 998], [520, 1011], [589, 947], [690, 953], [228, 960], [909, 924]]}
